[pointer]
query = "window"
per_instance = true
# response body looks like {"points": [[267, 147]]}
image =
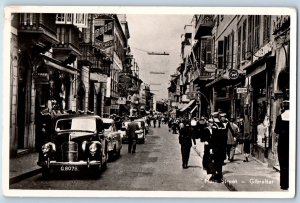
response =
{"points": [[60, 18], [226, 51], [220, 54], [221, 17], [250, 35], [232, 50], [208, 49], [267, 28], [80, 20], [256, 32], [244, 40], [238, 59], [69, 18]]}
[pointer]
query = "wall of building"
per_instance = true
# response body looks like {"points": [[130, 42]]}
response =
{"points": [[13, 89]]}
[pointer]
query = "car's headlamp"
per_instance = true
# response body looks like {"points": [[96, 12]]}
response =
{"points": [[48, 147], [93, 147]]}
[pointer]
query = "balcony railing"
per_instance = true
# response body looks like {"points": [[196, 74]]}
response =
{"points": [[68, 36], [38, 22], [204, 25]]}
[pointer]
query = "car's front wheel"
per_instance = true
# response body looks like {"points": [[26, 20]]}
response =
{"points": [[95, 171], [45, 172], [104, 162]]}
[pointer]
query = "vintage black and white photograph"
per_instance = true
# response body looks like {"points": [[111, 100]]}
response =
{"points": [[129, 101]]}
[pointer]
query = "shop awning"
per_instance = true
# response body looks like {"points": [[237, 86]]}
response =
{"points": [[57, 65], [193, 109], [187, 106]]}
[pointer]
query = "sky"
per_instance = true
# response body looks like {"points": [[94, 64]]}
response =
{"points": [[157, 33]]}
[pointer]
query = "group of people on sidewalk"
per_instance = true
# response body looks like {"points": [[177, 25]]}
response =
{"points": [[220, 137]]}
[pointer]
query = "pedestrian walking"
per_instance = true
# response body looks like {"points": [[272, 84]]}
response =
{"points": [[175, 126], [246, 138], [159, 121], [154, 121], [202, 125], [207, 134], [282, 129], [148, 121], [232, 133], [132, 136], [185, 140], [222, 131], [218, 143], [170, 122], [194, 127]]}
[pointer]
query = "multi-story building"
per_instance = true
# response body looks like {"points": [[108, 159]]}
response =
{"points": [[63, 62], [239, 63], [203, 65], [44, 72]]}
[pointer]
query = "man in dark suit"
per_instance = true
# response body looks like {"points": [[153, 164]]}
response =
{"points": [[185, 140], [218, 147], [206, 138], [132, 136]]}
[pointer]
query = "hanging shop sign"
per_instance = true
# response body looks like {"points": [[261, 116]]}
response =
{"points": [[105, 45], [41, 75], [241, 90], [98, 77], [233, 74], [104, 29]]}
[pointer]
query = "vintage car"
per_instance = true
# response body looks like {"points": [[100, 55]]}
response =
{"points": [[114, 139], [144, 124], [141, 135], [74, 143]]}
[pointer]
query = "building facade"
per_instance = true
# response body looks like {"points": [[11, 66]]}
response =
{"points": [[237, 66], [62, 63]]}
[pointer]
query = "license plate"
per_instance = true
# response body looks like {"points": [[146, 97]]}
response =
{"points": [[69, 168]]}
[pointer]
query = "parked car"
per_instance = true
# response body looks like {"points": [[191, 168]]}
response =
{"points": [[140, 133], [114, 138], [74, 143], [144, 124]]}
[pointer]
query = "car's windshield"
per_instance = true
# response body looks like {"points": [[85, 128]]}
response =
{"points": [[82, 124]]}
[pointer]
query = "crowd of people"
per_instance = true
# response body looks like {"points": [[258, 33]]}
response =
{"points": [[218, 134]]}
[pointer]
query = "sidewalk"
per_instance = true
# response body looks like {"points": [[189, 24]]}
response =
{"points": [[23, 167], [246, 176]]}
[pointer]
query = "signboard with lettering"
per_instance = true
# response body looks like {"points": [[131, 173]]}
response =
{"points": [[98, 77], [41, 75], [104, 29], [233, 74], [105, 45], [241, 90]]}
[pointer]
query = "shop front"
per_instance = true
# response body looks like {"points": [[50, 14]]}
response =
{"points": [[224, 92], [259, 80], [54, 91]]}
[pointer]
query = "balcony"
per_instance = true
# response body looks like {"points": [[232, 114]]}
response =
{"points": [[204, 25], [38, 27], [68, 36]]}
